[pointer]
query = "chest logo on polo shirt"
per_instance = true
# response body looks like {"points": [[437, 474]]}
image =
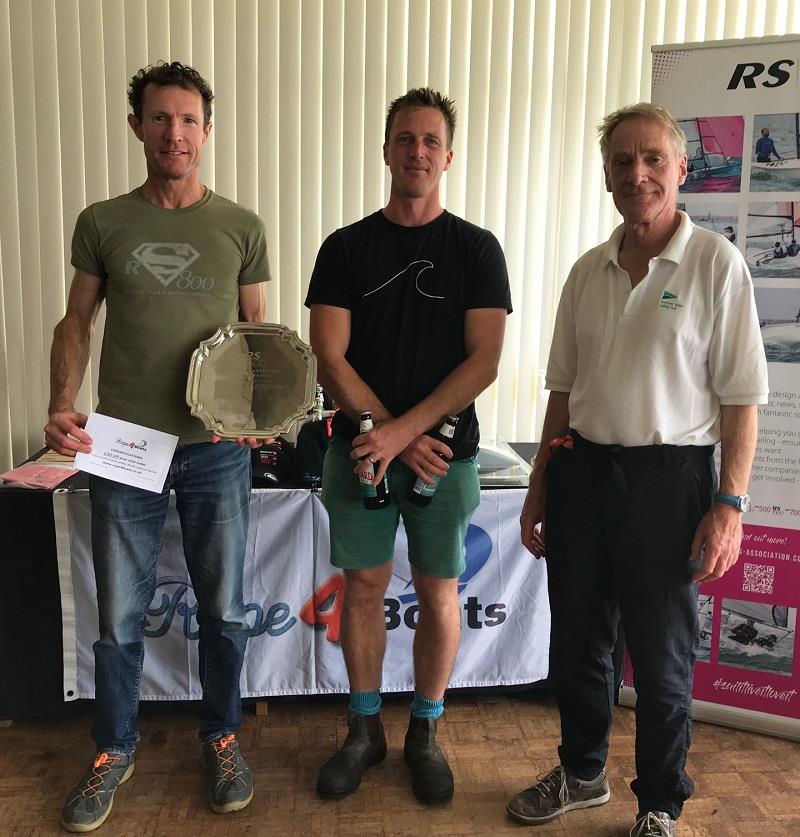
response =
{"points": [[669, 301], [415, 270], [165, 259]]}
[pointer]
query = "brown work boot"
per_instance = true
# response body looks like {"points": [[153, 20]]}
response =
{"points": [[431, 777], [364, 746]]}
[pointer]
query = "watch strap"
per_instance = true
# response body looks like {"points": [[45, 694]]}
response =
{"points": [[735, 500]]}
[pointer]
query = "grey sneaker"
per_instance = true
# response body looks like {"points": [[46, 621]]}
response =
{"points": [[654, 824], [554, 794], [230, 783], [89, 802]]}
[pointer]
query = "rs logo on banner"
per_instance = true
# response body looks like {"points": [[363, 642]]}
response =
{"points": [[750, 75]]}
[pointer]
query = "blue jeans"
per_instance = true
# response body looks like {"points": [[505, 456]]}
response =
{"points": [[212, 487]]}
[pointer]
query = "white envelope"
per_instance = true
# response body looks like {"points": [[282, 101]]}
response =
{"points": [[127, 453]]}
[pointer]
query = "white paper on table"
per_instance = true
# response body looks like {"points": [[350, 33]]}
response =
{"points": [[127, 453]]}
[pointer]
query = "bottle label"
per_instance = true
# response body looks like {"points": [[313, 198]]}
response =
{"points": [[425, 489], [446, 433], [366, 477], [366, 473]]}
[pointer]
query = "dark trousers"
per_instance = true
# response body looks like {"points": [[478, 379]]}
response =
{"points": [[619, 527]]}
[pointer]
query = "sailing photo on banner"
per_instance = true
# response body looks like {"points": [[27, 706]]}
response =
{"points": [[714, 153], [722, 218], [772, 231], [779, 317], [775, 165], [705, 623], [757, 636]]}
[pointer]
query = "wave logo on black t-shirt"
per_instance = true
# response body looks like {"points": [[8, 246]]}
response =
{"points": [[165, 259], [415, 269]]}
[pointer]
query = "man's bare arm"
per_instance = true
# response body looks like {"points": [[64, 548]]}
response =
{"points": [[719, 533], [253, 303], [739, 437], [556, 423], [330, 337], [69, 356], [484, 329]]}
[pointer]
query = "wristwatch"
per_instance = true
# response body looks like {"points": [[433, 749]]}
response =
{"points": [[738, 501]]}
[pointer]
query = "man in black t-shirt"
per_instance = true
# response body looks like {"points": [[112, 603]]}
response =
{"points": [[408, 310]]}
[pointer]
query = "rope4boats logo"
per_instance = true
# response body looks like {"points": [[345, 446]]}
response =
{"points": [[130, 444], [173, 597], [323, 609], [170, 599]]}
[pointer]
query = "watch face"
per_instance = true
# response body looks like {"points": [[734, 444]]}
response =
{"points": [[744, 502]]}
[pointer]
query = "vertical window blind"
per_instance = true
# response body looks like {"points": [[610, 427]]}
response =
{"points": [[301, 92]]}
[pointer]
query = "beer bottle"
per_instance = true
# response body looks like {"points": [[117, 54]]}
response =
{"points": [[318, 410], [422, 492], [374, 496]]}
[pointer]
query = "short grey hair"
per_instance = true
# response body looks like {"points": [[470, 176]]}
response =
{"points": [[641, 110]]}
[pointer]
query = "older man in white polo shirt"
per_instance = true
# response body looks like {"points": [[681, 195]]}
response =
{"points": [[656, 357]]}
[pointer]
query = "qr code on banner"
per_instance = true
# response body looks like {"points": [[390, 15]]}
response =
{"points": [[758, 578]]}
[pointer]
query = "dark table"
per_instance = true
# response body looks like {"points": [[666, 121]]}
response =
{"points": [[31, 651], [30, 605]]}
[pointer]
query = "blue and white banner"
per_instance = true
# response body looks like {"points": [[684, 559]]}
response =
{"points": [[294, 599]]}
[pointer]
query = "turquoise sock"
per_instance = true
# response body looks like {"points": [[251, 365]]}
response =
{"points": [[421, 707], [365, 703]]}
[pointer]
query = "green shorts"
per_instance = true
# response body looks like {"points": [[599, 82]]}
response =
{"points": [[363, 538]]}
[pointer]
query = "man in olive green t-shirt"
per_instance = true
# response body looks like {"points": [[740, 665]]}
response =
{"points": [[173, 262]]}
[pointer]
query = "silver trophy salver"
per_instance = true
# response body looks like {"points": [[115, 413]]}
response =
{"points": [[251, 379]]}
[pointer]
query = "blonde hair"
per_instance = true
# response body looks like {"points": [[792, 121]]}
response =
{"points": [[641, 110]]}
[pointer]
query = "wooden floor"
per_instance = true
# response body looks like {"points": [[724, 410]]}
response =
{"points": [[747, 785]]}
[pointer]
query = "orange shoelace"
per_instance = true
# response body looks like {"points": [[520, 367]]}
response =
{"points": [[226, 758], [103, 764]]}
